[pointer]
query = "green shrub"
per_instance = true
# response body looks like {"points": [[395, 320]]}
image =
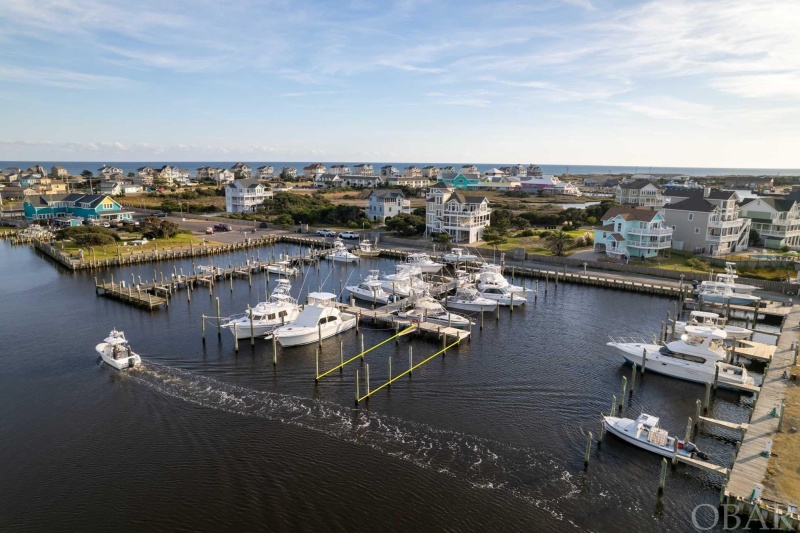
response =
{"points": [[284, 219], [697, 264], [526, 233]]}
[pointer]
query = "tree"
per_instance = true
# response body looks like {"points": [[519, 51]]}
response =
{"points": [[443, 238], [558, 241], [87, 174], [493, 237], [131, 174], [406, 225], [159, 228]]}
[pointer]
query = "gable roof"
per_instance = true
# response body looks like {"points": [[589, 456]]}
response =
{"points": [[778, 204], [692, 203], [387, 193], [630, 214], [466, 199], [245, 184], [440, 185], [639, 184]]}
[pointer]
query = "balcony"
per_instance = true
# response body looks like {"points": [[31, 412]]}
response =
{"points": [[725, 221], [650, 245], [654, 232]]}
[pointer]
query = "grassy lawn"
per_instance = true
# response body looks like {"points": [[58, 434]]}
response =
{"points": [[154, 202], [537, 245], [679, 261], [182, 240]]}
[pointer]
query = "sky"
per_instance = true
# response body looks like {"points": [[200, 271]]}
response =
{"points": [[595, 82]]}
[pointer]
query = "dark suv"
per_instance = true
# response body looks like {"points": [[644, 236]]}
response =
{"points": [[222, 227]]}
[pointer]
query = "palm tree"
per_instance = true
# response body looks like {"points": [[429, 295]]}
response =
{"points": [[558, 242]]}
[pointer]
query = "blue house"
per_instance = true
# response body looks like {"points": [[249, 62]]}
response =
{"points": [[459, 181], [630, 232], [86, 206]]}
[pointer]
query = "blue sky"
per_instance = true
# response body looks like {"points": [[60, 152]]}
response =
{"points": [[662, 83]]}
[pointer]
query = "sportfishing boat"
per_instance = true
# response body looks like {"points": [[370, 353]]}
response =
{"points": [[371, 290], [426, 309], [405, 281], [492, 276], [339, 253], [367, 249], [282, 268], [712, 291], [502, 295], [729, 278], [279, 310], [424, 263], [318, 320], [694, 357], [469, 299], [116, 352], [459, 255], [645, 433], [703, 318]]}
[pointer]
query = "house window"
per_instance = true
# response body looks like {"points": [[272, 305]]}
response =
{"points": [[673, 228], [697, 230], [691, 217]]}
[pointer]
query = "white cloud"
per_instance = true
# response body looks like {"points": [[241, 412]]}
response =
{"points": [[61, 78]]}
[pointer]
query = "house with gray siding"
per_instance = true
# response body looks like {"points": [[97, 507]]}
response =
{"points": [[706, 222]]}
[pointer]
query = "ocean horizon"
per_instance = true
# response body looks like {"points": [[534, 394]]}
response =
{"points": [[76, 167]]}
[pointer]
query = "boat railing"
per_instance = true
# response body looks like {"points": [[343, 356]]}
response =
{"points": [[628, 340]]}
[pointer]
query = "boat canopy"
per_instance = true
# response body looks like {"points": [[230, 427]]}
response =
{"points": [[309, 317], [704, 314], [646, 420]]}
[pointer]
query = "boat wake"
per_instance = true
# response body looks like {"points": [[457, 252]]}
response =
{"points": [[525, 473]]}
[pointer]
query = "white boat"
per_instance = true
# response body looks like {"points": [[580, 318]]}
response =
{"points": [[426, 309], [339, 253], [424, 263], [730, 276], [459, 255], [318, 320], [282, 268], [703, 318], [116, 352], [492, 276], [645, 433], [501, 295], [469, 299], [371, 290], [367, 249], [405, 281], [713, 291], [279, 310], [695, 357], [209, 270]]}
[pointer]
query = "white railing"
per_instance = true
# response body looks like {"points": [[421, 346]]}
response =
{"points": [[650, 231], [655, 245]]}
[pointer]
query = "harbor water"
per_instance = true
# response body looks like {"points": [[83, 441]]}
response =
{"points": [[489, 437]]}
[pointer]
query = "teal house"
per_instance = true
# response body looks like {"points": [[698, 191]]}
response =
{"points": [[632, 233], [85, 206], [459, 181]]}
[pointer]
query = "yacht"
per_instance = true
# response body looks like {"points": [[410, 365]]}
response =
{"points": [[694, 357], [371, 290], [459, 255], [713, 291], [282, 268], [367, 249], [501, 295], [339, 253], [703, 318], [469, 299], [645, 433], [424, 262], [116, 352], [492, 276], [318, 320], [279, 310], [426, 309], [405, 281]]}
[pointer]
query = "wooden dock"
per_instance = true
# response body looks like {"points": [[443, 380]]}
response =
{"points": [[750, 466], [756, 351], [703, 465], [723, 423], [130, 295]]}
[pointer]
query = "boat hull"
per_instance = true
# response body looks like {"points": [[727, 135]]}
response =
{"points": [[302, 336], [121, 363], [733, 299], [611, 427], [471, 307], [368, 297]]}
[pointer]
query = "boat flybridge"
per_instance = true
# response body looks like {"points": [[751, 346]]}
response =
{"points": [[407, 280], [645, 433], [427, 309], [340, 254], [424, 263], [279, 310], [371, 290], [502, 295], [459, 255], [318, 320], [704, 318], [694, 357], [367, 248], [116, 352], [492, 275]]}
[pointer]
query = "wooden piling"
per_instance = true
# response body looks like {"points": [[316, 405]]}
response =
{"points": [[252, 328], [410, 361], [203, 326], [698, 407], [357, 394], [316, 360], [674, 452], [362, 348], [644, 359], [622, 396], [688, 436], [219, 320], [663, 478], [341, 357], [633, 377], [235, 338], [274, 351], [588, 450], [613, 405], [707, 398], [390, 372]]}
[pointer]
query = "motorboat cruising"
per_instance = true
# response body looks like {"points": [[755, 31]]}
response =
{"points": [[282, 268], [371, 290], [424, 263], [339, 253], [367, 249], [713, 291], [491, 275], [115, 351], [645, 433], [318, 320], [469, 299], [501, 295], [405, 281], [694, 357], [426, 309], [703, 318], [279, 310], [459, 255]]}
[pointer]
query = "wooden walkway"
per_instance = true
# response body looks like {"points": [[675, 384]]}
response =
{"points": [[750, 466], [130, 295], [756, 351]]}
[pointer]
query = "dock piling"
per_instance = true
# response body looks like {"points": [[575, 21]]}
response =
{"points": [[662, 480], [622, 396], [274, 351], [410, 361], [235, 338], [252, 329], [688, 436], [219, 319], [390, 372], [341, 357], [203, 326], [588, 451], [644, 359], [707, 398], [633, 377], [613, 405], [698, 406]]}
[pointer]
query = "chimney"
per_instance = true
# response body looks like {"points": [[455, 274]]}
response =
{"points": [[706, 191]]}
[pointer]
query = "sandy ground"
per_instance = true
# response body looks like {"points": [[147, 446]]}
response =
{"points": [[783, 473]]}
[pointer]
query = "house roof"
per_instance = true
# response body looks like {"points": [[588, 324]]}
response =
{"points": [[314, 166], [713, 194], [440, 185], [245, 184], [692, 203], [617, 237], [778, 204], [465, 199], [264, 167], [639, 184], [387, 193], [630, 213]]}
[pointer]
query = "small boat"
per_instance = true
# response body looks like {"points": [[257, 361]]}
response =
{"points": [[209, 270], [459, 255], [469, 299], [492, 276], [424, 263], [318, 320], [645, 433], [502, 295], [730, 276], [115, 351], [703, 318], [282, 268], [367, 249], [697, 356], [339, 253], [279, 310], [716, 292], [371, 290], [426, 309]]}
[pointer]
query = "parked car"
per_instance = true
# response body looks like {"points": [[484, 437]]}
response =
{"points": [[349, 235], [209, 230], [326, 233], [264, 225], [222, 227], [160, 214]]}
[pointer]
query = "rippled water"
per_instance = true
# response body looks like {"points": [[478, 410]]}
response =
{"points": [[489, 437]]}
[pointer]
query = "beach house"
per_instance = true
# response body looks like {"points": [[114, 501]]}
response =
{"points": [[462, 215], [386, 203], [632, 233], [86, 206], [245, 195]]}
